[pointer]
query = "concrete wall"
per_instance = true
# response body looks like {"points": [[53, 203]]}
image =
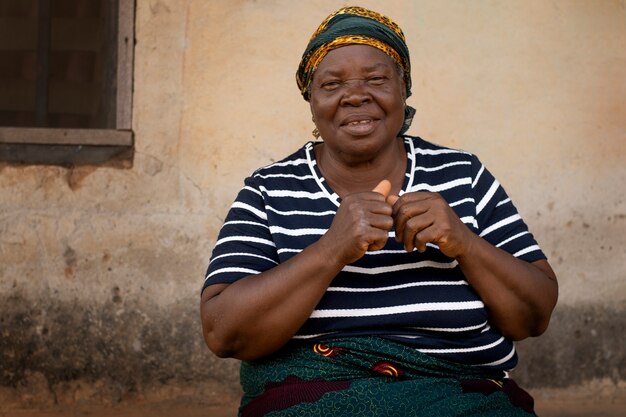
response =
{"points": [[100, 268]]}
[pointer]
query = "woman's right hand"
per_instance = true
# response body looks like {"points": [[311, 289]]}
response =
{"points": [[362, 223]]}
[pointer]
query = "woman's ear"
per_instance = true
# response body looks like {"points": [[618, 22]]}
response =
{"points": [[312, 112], [315, 132]]}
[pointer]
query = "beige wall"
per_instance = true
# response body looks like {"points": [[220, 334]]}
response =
{"points": [[103, 266]]}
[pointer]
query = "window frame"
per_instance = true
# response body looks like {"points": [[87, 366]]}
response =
{"points": [[120, 137]]}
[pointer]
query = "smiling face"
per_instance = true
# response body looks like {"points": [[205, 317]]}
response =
{"points": [[357, 102]]}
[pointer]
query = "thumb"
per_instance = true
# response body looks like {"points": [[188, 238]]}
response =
{"points": [[383, 187], [391, 200]]}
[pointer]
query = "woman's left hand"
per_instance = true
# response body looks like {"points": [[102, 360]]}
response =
{"points": [[519, 295], [425, 217]]}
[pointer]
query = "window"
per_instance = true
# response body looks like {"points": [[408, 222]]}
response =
{"points": [[66, 81]]}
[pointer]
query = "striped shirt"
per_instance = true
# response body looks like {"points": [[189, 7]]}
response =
{"points": [[420, 299]]}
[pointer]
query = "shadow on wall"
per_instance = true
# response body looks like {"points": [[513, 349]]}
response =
{"points": [[582, 344], [118, 350], [126, 348]]}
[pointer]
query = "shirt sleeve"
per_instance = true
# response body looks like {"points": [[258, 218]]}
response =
{"points": [[244, 245], [498, 220]]}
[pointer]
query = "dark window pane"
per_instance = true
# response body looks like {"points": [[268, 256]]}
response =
{"points": [[58, 63]]}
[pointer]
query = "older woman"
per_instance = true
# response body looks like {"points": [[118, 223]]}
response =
{"points": [[373, 273]]}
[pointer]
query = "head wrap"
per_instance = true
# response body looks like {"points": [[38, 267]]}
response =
{"points": [[350, 26]]}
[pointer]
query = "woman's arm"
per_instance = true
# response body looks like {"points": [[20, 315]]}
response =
{"points": [[519, 296], [258, 314]]}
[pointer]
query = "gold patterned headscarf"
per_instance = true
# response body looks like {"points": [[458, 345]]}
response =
{"points": [[350, 26]]}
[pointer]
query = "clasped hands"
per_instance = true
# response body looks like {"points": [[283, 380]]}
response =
{"points": [[364, 220]]}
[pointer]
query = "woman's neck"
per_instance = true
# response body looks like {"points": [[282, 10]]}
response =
{"points": [[351, 177]]}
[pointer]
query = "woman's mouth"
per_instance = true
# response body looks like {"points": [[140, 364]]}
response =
{"points": [[359, 122], [360, 127]]}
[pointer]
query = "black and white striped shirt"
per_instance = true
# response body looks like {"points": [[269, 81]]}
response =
{"points": [[420, 299]]}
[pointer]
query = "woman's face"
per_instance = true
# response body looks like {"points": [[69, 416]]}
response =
{"points": [[357, 101]]}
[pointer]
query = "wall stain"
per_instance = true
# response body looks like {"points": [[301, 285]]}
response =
{"points": [[140, 345], [70, 261], [582, 343], [158, 7], [143, 344], [75, 176], [115, 295]]}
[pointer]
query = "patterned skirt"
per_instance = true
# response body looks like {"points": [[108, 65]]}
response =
{"points": [[371, 376]]}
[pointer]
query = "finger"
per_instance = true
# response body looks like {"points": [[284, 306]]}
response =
{"points": [[423, 237], [396, 203], [383, 187], [379, 240], [411, 201], [419, 244], [381, 221], [405, 211], [416, 234], [381, 224]]}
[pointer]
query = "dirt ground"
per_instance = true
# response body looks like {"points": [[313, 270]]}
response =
{"points": [[544, 408], [597, 399]]}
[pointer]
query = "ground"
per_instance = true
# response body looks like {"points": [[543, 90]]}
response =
{"points": [[597, 399], [545, 408]]}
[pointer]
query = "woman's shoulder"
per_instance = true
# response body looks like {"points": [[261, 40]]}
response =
{"points": [[421, 145], [423, 151], [285, 173], [296, 160]]}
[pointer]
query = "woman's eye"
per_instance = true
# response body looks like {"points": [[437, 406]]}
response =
{"points": [[376, 80], [330, 85]]}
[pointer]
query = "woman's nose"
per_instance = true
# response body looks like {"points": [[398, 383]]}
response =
{"points": [[355, 93]]}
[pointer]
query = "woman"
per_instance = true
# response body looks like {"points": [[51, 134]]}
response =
{"points": [[373, 273]]}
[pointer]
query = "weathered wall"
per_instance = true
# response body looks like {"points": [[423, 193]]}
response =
{"points": [[100, 268]]}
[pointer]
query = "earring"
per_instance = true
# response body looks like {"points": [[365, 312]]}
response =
{"points": [[316, 133]]}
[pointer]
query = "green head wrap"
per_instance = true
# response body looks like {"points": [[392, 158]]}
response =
{"points": [[350, 26]]}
